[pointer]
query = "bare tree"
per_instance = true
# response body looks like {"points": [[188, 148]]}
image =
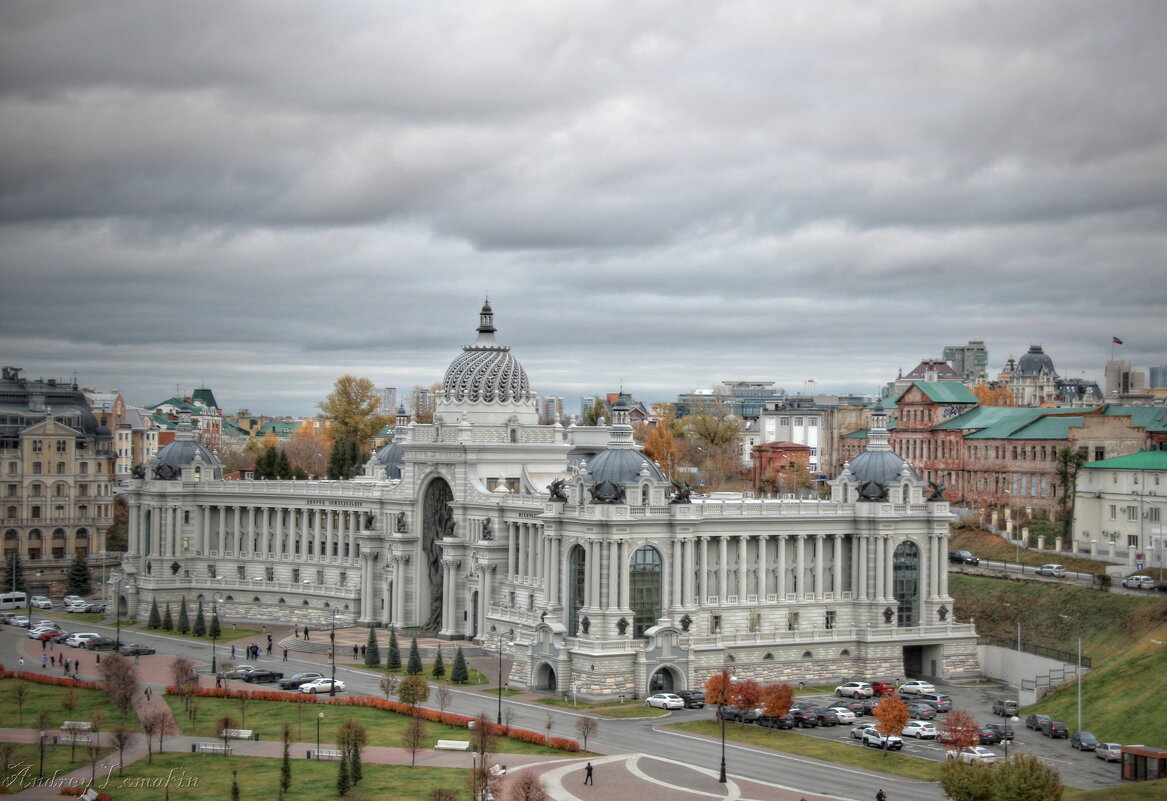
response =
{"points": [[123, 736], [244, 702], [441, 794], [186, 679], [156, 723], [482, 737], [20, 695], [225, 724], [442, 695], [508, 717], [7, 757], [121, 682], [93, 753], [586, 726], [550, 723], [389, 685], [69, 704], [527, 786], [414, 737]]}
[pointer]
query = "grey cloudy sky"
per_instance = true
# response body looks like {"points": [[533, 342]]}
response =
{"points": [[265, 196]]}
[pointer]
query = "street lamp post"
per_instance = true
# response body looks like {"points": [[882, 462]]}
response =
{"points": [[319, 720], [1010, 730], [214, 631], [1078, 675], [332, 640], [721, 714], [117, 605], [499, 721]]}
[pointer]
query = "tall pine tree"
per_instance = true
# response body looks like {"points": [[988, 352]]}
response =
{"points": [[155, 620], [200, 624], [372, 650], [79, 582], [167, 620], [394, 657], [439, 666], [183, 618], [216, 632], [14, 574], [459, 674], [414, 667]]}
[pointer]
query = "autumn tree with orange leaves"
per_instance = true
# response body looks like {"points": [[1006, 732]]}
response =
{"points": [[891, 715], [718, 690], [959, 730], [994, 395], [745, 695], [777, 699]]}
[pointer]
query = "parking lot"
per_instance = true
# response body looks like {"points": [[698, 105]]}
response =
{"points": [[1077, 768]]}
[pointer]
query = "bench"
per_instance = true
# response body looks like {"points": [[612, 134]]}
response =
{"points": [[89, 795], [328, 753], [76, 725], [235, 734], [212, 748], [453, 745], [75, 739]]}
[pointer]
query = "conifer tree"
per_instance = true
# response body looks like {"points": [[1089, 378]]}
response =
{"points": [[286, 765], [342, 780], [200, 624], [283, 468], [394, 660], [439, 666], [167, 620], [155, 620], [459, 674], [78, 581], [183, 617], [216, 631], [372, 650], [414, 667], [14, 574]]}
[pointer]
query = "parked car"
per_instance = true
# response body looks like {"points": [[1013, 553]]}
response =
{"points": [[101, 644], [136, 649], [736, 715], [1111, 752], [1139, 582], [1005, 708], [1035, 721], [869, 705], [855, 689], [98, 607], [79, 639], [920, 729], [1055, 729], [72, 599], [76, 606], [963, 558], [921, 711], [694, 699], [942, 702], [1004, 731], [237, 672], [988, 736], [1083, 741], [873, 739], [882, 688], [323, 685], [843, 714], [804, 718], [978, 754], [262, 675], [294, 681], [915, 687], [1057, 571], [19, 620], [40, 602], [859, 707], [827, 717], [43, 632], [777, 721], [665, 701]]}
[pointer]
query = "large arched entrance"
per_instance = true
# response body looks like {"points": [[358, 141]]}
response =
{"points": [[645, 576], [665, 680], [437, 523], [544, 678]]}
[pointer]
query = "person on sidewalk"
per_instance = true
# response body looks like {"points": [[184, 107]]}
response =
{"points": [[285, 654], [44, 661], [21, 662], [881, 795], [588, 775]]}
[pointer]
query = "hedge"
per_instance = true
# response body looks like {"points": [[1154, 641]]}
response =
{"points": [[56, 681], [432, 715]]}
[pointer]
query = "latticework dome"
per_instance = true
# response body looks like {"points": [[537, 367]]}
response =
{"points": [[485, 372]]}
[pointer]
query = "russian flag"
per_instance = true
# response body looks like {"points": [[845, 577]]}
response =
{"points": [[1116, 340]]}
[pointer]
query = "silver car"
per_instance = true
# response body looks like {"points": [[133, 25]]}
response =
{"points": [[1111, 752]]}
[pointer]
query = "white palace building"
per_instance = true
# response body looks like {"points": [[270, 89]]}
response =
{"points": [[567, 547]]}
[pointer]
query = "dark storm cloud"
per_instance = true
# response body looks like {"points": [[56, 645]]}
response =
{"points": [[264, 196]]}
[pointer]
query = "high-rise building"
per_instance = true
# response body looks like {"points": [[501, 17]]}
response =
{"points": [[970, 361], [750, 397], [388, 404]]}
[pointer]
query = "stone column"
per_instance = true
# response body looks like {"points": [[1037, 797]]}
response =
{"points": [[763, 567], [677, 600], [595, 568], [862, 584], [800, 566], [237, 533], [723, 570], [781, 569], [743, 575], [688, 599], [942, 564], [877, 545], [524, 550], [625, 567], [703, 577], [613, 599], [487, 572], [819, 559], [837, 584], [888, 567]]}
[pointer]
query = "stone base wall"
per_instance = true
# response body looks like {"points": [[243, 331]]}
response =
{"points": [[263, 612]]}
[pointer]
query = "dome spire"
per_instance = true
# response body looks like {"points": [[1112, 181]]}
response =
{"points": [[486, 320]]}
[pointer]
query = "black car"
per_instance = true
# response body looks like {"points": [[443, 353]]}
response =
{"points": [[262, 675], [827, 717], [988, 735], [136, 649], [777, 721], [102, 644], [963, 558], [1035, 721], [1003, 730], [804, 718], [694, 699], [1055, 729], [294, 681]]}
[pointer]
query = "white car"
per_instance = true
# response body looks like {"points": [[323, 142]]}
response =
{"points": [[855, 689], [41, 602], [1139, 582], [81, 639], [665, 701], [1057, 571], [843, 714], [72, 599], [19, 620], [321, 686], [76, 606], [978, 754], [915, 687], [36, 632], [920, 729]]}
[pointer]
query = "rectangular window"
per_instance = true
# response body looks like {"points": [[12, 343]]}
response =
{"points": [[830, 619], [1153, 514], [269, 573], [186, 515], [186, 543], [344, 578], [797, 421], [37, 446], [319, 576], [755, 621], [715, 624], [1099, 454], [212, 571], [1132, 513], [295, 575], [1112, 512], [1132, 540], [792, 621], [61, 446], [241, 572], [36, 468]]}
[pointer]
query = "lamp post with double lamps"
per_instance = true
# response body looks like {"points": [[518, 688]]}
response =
{"points": [[214, 631], [332, 640], [499, 720], [721, 703]]}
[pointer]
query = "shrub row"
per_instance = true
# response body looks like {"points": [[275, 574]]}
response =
{"points": [[56, 681], [78, 791], [369, 702]]}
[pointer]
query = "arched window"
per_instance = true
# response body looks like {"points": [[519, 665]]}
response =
{"points": [[11, 534], [58, 533], [35, 534], [807, 655], [645, 578], [906, 583], [576, 581]]}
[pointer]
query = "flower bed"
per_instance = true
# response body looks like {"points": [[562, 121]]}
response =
{"points": [[56, 681]]}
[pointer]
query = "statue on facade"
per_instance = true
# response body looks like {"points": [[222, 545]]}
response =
{"points": [[487, 529], [585, 624], [370, 520], [557, 490], [888, 614], [686, 622], [937, 488], [681, 492], [872, 491], [942, 613], [138, 471], [622, 626], [401, 522]]}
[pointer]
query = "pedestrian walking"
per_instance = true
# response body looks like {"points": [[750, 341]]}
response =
{"points": [[44, 661], [68, 664], [44, 645], [362, 652], [232, 651], [285, 654], [21, 662], [306, 637], [53, 661], [99, 659], [148, 692], [218, 681], [881, 795], [588, 775], [269, 649]]}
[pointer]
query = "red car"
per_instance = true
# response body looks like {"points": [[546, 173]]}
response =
{"points": [[882, 688]]}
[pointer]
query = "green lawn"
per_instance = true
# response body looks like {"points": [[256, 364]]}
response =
{"points": [[24, 764], [198, 777], [48, 697], [856, 756], [1127, 791], [267, 718], [427, 671], [630, 711]]}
